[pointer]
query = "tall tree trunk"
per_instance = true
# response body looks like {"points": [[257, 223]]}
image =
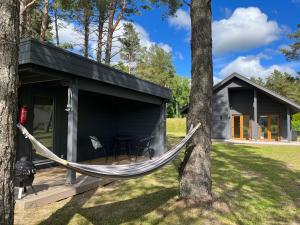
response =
{"points": [[112, 26], [100, 37], [86, 25], [9, 39], [23, 21], [25, 25], [111, 15], [44, 25], [56, 26], [195, 183]]}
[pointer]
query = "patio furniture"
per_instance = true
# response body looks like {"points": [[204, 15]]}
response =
{"points": [[121, 144], [25, 171], [98, 146], [112, 171], [144, 146]]}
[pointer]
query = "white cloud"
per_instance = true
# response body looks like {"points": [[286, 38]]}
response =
{"points": [[216, 79], [179, 55], [68, 33], [251, 66], [245, 29], [180, 20]]}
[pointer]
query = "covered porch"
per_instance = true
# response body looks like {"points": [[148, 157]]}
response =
{"points": [[70, 99]]}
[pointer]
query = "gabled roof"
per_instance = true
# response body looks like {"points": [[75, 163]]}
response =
{"points": [[285, 100], [293, 105], [34, 52]]}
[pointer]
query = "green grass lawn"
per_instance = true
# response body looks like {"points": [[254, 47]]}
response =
{"points": [[176, 127], [251, 185]]}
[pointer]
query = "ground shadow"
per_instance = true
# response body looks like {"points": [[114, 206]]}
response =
{"points": [[254, 189], [249, 183], [112, 213]]}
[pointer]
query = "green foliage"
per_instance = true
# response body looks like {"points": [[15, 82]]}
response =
{"points": [[181, 89], [155, 64], [296, 125], [293, 51], [283, 84], [130, 45], [121, 66], [296, 122], [257, 80]]}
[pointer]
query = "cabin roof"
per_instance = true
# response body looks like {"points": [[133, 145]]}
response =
{"points": [[34, 52]]}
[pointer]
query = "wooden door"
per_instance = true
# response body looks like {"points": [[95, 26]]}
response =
{"points": [[269, 127]]}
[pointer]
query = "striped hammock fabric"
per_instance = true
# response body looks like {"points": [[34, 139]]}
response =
{"points": [[112, 171]]}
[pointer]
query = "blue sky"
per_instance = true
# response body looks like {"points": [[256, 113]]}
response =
{"points": [[247, 36]]}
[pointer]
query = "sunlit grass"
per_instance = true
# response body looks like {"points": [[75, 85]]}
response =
{"points": [[251, 185], [176, 127]]}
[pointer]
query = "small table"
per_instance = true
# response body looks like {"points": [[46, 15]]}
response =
{"points": [[122, 143]]}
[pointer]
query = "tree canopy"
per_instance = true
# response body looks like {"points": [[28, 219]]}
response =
{"points": [[155, 64], [292, 52], [130, 45]]}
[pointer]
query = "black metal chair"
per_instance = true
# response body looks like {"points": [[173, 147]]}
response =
{"points": [[97, 145], [144, 146]]}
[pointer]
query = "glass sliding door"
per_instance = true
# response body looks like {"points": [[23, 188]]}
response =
{"points": [[274, 127], [236, 127], [246, 127], [269, 128], [241, 128], [263, 123], [43, 123]]}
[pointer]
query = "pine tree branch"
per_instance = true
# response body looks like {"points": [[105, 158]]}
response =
{"points": [[30, 4]]}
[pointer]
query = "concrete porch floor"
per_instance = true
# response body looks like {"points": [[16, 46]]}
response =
{"points": [[50, 184], [297, 143]]}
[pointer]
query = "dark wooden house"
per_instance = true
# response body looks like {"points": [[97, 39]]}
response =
{"points": [[244, 110]]}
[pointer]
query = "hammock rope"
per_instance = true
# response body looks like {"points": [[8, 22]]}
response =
{"points": [[111, 171]]}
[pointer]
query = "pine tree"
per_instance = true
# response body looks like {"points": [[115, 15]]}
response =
{"points": [[9, 38], [293, 52], [195, 182], [130, 45]]}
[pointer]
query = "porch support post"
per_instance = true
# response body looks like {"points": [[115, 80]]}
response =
{"points": [[72, 109], [229, 119], [255, 127], [288, 124]]}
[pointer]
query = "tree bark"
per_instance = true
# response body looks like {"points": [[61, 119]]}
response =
{"points": [[112, 26], [25, 25], [44, 25], [86, 26], [195, 183], [56, 27], [100, 37], [9, 38]]}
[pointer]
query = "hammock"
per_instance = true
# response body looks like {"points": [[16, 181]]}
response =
{"points": [[111, 171]]}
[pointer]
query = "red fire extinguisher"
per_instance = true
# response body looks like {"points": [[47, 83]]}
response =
{"points": [[23, 114]]}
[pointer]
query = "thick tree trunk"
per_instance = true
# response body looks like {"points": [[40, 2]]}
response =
{"points": [[111, 14], [112, 26], [23, 21], [86, 25], [9, 38], [44, 25], [100, 38], [195, 183], [56, 27]]}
